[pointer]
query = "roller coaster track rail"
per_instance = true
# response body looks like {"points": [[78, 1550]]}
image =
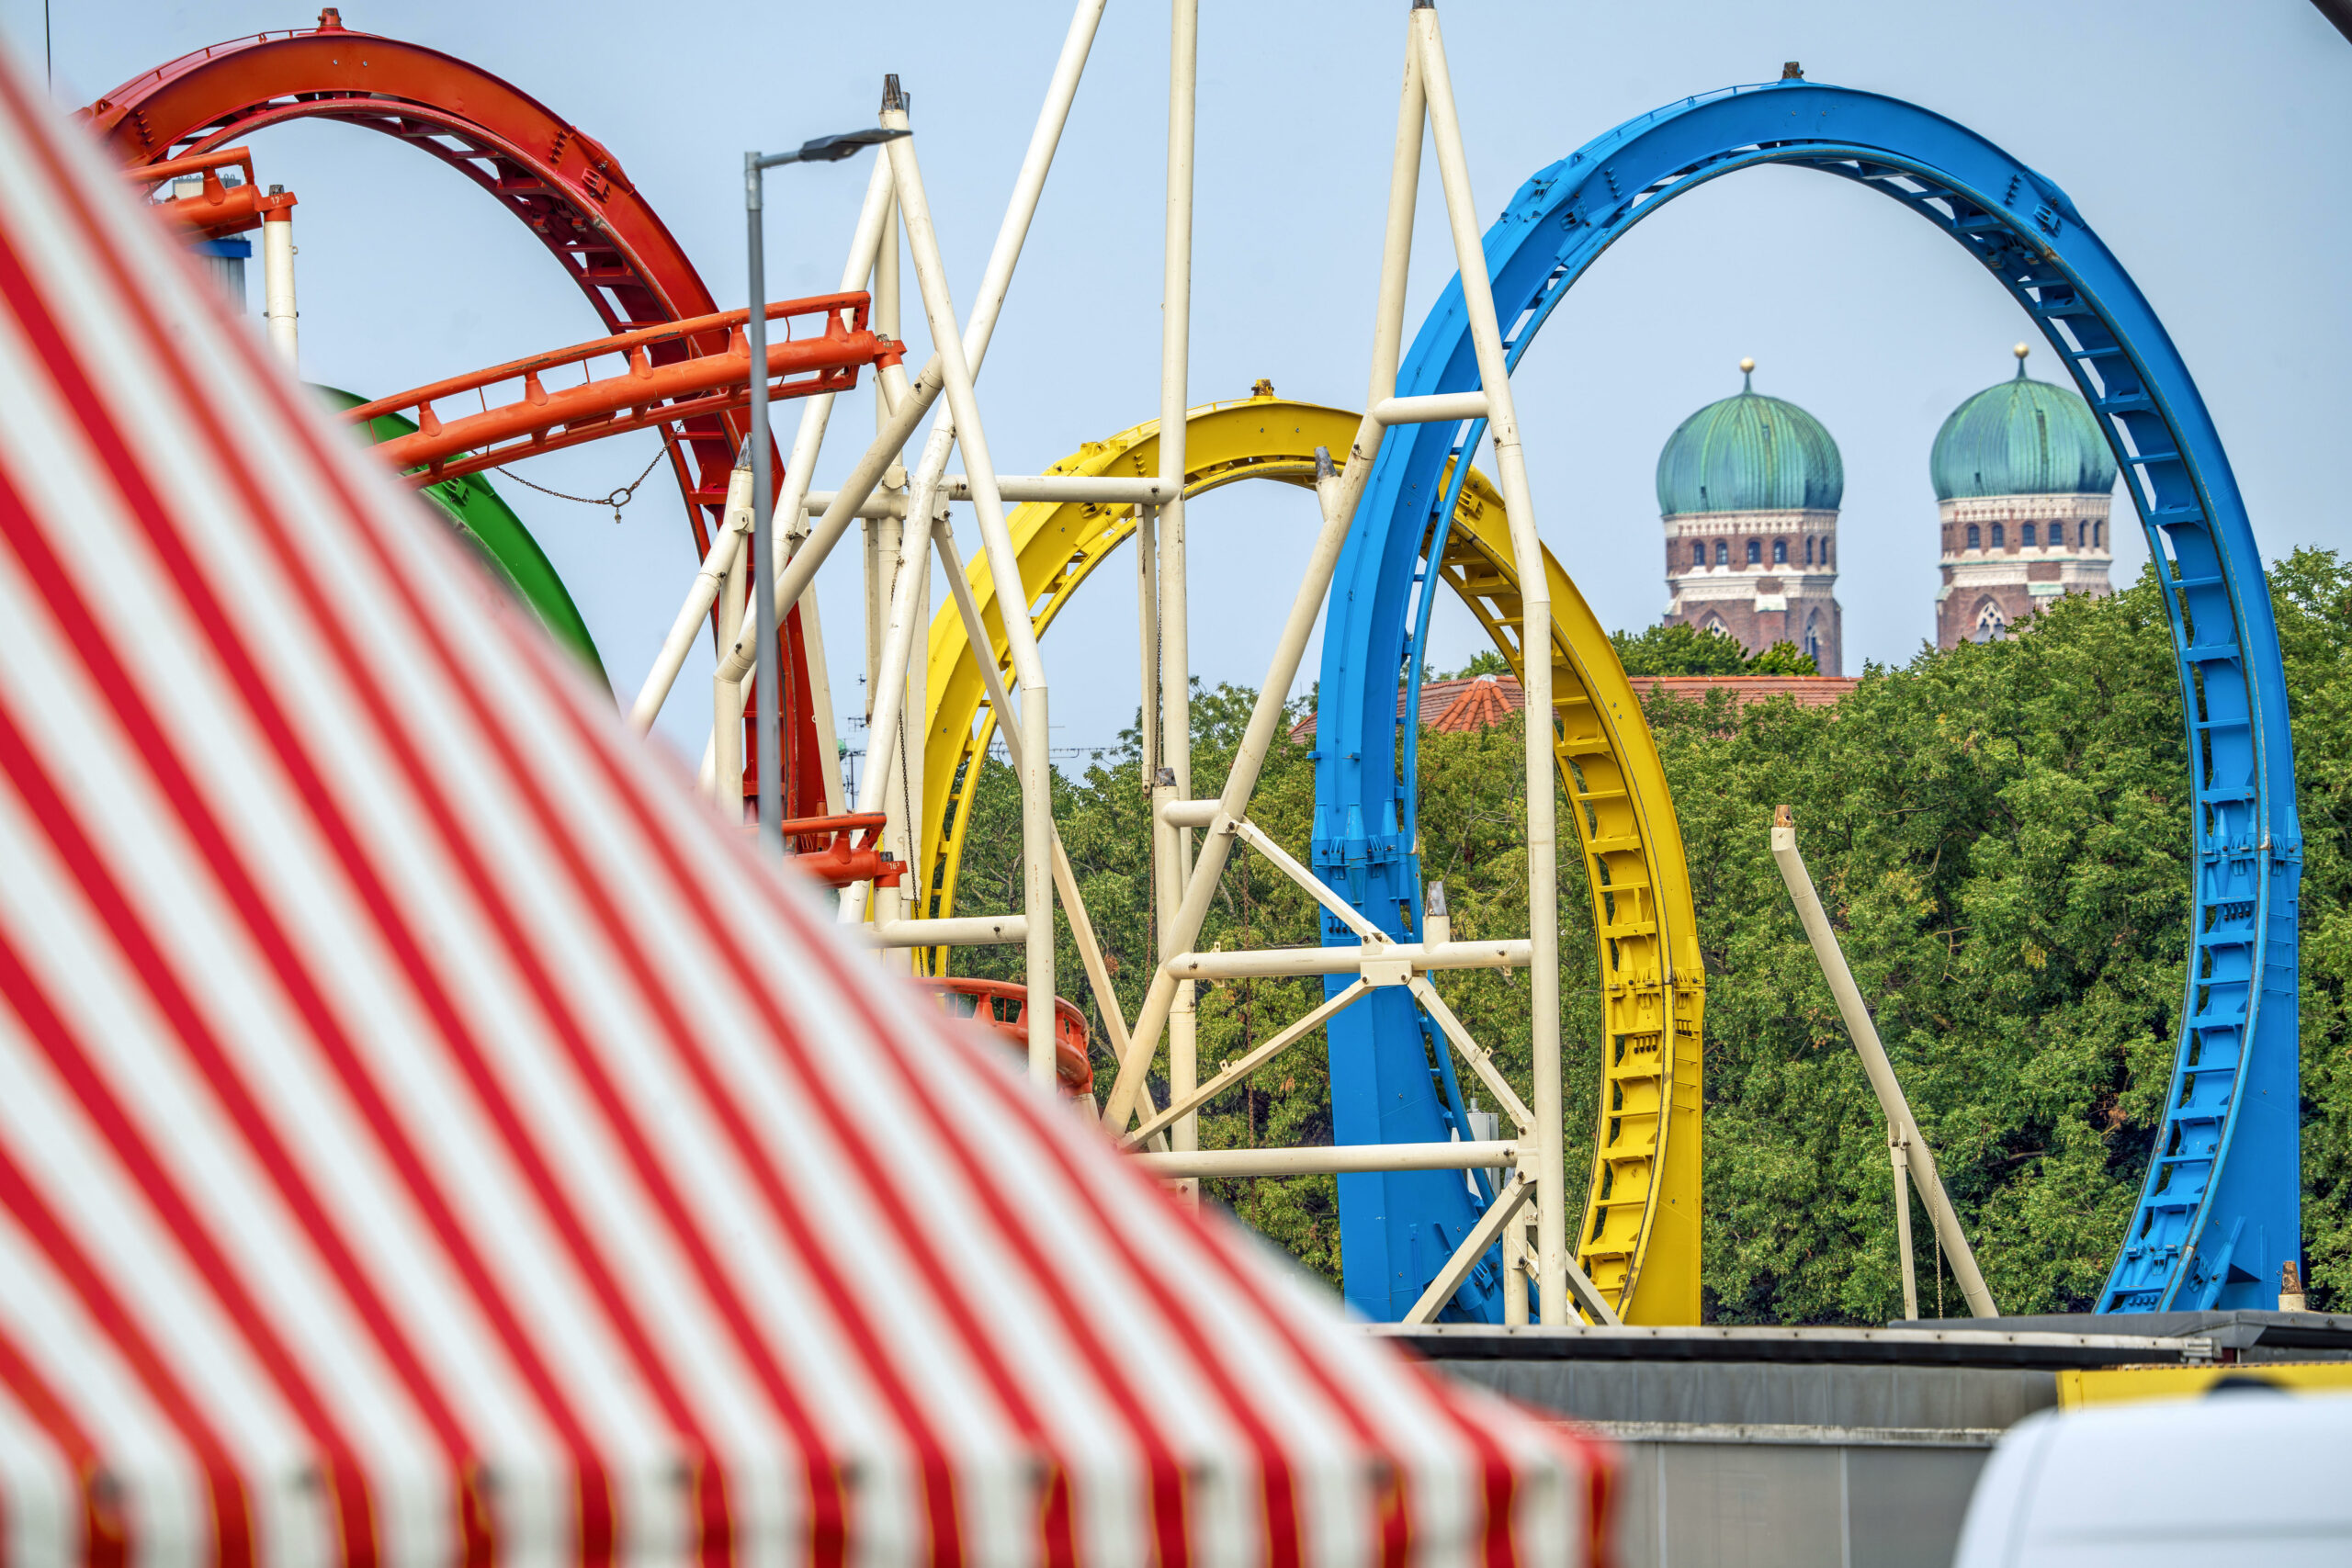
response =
{"points": [[2219, 1211]]}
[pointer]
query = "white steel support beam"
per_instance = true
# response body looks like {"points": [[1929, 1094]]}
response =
{"points": [[1174, 844], [1481, 1062], [1004, 566], [1535, 667], [1265, 1051], [1876, 1065], [1484, 1235], [1399, 958], [1339, 909], [1436, 408], [962, 931], [1328, 1159], [279, 316]]}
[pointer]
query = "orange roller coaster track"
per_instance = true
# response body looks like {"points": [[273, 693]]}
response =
{"points": [[536, 419]]}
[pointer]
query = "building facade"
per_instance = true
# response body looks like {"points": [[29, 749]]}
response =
{"points": [[1747, 490], [2024, 483]]}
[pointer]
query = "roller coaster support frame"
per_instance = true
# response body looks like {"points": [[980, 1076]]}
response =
{"points": [[1337, 489], [1090, 950], [1036, 767], [1906, 1139]]}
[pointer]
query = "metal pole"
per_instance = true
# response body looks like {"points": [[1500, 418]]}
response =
{"points": [[278, 281], [1535, 675], [764, 681], [1176, 664], [1874, 1063], [725, 696], [1903, 1223]]}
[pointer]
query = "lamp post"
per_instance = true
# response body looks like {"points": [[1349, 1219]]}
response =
{"points": [[767, 682]]}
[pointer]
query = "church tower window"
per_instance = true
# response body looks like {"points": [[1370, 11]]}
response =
{"points": [[1808, 552], [2000, 536], [1975, 538], [1723, 553], [1699, 554], [2027, 540], [1780, 552], [1755, 552]]}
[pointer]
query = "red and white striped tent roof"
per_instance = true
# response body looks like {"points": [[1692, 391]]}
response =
{"points": [[425, 1135]]}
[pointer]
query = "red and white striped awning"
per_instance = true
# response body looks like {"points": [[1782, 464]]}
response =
{"points": [[426, 1136]]}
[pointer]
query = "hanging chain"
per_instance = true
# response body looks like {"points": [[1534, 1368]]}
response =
{"points": [[616, 500]]}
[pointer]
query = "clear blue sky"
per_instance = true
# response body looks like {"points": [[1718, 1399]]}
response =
{"points": [[2205, 141]]}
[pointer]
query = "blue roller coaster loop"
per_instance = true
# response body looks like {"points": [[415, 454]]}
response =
{"points": [[2219, 1211]]}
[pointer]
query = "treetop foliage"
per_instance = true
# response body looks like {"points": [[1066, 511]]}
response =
{"points": [[1689, 650]]}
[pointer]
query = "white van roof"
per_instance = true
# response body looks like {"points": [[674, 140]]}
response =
{"points": [[2237, 1476]]}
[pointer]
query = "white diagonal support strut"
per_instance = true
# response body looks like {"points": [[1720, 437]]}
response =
{"points": [[1535, 666]]}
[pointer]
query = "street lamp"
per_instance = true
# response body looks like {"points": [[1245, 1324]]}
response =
{"points": [[767, 685]]}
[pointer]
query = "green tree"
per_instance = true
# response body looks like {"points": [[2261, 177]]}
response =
{"points": [[1781, 659], [1680, 650]]}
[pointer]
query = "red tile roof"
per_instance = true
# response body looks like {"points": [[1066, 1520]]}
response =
{"points": [[1455, 707]]}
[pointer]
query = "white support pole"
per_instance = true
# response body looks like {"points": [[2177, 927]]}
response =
{"points": [[1399, 960], [1515, 1275], [1328, 1159], [1484, 1235], [908, 573], [1552, 1261], [1879, 1071], [1148, 652], [278, 282], [820, 701], [1898, 1156], [1312, 885], [1481, 1061], [1175, 615], [963, 930], [726, 697], [1004, 566]]}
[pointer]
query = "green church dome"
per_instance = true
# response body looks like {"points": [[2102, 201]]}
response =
{"points": [[2021, 438], [1750, 453]]}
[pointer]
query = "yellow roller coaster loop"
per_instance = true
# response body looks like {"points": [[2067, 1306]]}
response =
{"points": [[1639, 1240]]}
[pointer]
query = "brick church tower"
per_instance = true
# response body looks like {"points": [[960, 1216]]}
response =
{"points": [[1748, 489], [2023, 483]]}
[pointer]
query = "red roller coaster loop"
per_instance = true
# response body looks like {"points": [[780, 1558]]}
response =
{"points": [[557, 181]]}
